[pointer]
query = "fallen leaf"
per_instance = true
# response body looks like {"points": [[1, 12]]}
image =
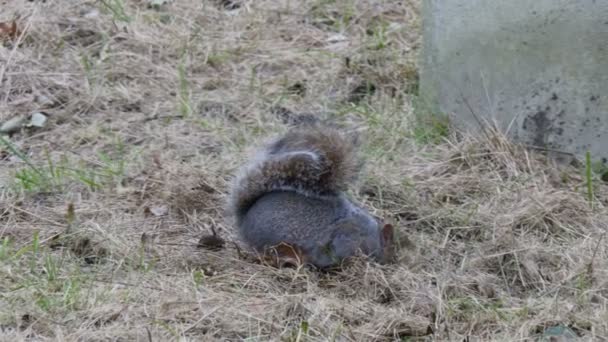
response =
{"points": [[285, 255], [9, 30], [211, 242]]}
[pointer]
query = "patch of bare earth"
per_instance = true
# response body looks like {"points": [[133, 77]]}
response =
{"points": [[152, 108]]}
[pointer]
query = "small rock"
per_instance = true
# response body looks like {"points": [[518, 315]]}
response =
{"points": [[392, 27], [38, 120], [90, 14], [156, 4], [336, 38], [13, 125], [44, 100], [159, 210], [559, 333], [230, 5]]}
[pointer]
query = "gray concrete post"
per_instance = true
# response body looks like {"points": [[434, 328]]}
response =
{"points": [[537, 68]]}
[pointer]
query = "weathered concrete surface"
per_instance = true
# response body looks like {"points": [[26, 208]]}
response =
{"points": [[539, 68]]}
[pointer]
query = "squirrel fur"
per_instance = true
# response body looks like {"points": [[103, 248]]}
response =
{"points": [[292, 195]]}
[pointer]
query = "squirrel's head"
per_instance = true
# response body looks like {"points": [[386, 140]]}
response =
{"points": [[357, 234], [380, 243]]}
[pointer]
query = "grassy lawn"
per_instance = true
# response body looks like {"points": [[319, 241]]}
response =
{"points": [[152, 105]]}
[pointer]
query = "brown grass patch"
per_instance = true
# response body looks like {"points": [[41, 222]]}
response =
{"points": [[152, 109]]}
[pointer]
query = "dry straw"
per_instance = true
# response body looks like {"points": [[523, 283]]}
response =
{"points": [[153, 107]]}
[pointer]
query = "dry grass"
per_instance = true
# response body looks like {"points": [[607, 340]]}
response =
{"points": [[152, 111]]}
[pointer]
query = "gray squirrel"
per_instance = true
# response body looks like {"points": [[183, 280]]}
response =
{"points": [[290, 199]]}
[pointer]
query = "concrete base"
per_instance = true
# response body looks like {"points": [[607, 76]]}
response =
{"points": [[539, 69]]}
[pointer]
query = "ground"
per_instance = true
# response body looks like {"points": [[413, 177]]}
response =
{"points": [[153, 105]]}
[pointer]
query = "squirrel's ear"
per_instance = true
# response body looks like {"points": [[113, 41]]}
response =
{"points": [[388, 234]]}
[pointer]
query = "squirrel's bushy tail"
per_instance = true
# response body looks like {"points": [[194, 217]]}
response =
{"points": [[314, 161]]}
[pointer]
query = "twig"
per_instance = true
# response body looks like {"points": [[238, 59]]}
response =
{"points": [[545, 149], [127, 284], [479, 122], [157, 117], [597, 247], [38, 217], [202, 318], [149, 334]]}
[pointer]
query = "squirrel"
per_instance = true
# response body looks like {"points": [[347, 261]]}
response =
{"points": [[290, 200]]}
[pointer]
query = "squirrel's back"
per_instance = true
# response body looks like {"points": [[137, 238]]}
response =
{"points": [[312, 161], [326, 230]]}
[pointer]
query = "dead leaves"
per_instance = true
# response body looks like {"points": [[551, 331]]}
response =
{"points": [[9, 31], [211, 242]]}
